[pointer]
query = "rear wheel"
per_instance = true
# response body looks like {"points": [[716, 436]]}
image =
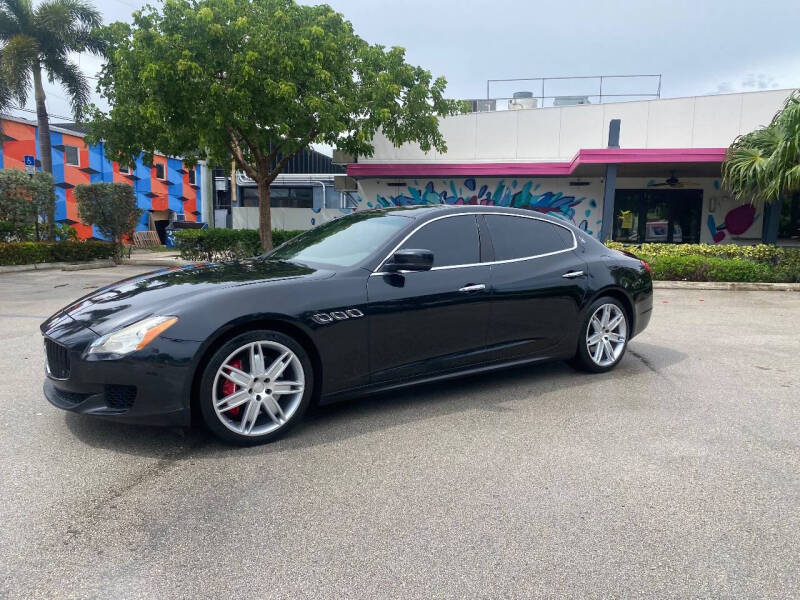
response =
{"points": [[604, 336], [256, 387]]}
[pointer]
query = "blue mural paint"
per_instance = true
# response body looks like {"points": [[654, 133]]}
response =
{"points": [[528, 197]]}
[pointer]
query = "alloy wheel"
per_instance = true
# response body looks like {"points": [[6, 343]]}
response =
{"points": [[606, 335], [258, 388]]}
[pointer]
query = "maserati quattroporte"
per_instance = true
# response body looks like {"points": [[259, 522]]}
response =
{"points": [[371, 301]]}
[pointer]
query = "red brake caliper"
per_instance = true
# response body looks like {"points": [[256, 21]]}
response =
{"points": [[228, 387]]}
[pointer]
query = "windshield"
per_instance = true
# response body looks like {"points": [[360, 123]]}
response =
{"points": [[342, 242]]}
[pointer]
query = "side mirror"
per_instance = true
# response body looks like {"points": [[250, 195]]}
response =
{"points": [[410, 260]]}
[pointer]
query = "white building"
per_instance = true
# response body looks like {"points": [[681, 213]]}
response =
{"points": [[662, 182]]}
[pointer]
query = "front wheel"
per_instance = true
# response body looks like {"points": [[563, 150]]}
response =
{"points": [[256, 387], [604, 336]]}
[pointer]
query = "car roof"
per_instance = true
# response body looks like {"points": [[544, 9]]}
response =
{"points": [[432, 211]]}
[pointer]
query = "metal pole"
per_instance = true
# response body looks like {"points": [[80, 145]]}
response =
{"points": [[487, 89], [601, 89], [542, 92], [658, 93]]}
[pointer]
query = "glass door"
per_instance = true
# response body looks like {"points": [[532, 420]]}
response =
{"points": [[667, 216]]}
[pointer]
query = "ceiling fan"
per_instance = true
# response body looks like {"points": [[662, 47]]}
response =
{"points": [[674, 182]]}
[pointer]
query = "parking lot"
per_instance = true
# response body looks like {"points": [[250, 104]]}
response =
{"points": [[676, 475]]}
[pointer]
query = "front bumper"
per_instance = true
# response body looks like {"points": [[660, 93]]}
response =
{"points": [[150, 387]]}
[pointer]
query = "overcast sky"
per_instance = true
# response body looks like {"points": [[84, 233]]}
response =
{"points": [[699, 46]]}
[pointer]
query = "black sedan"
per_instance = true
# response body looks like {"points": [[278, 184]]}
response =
{"points": [[371, 301]]}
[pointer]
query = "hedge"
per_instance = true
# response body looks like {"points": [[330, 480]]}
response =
{"points": [[724, 262], [224, 244], [25, 253]]}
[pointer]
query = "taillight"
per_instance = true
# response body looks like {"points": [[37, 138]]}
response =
{"points": [[646, 266]]}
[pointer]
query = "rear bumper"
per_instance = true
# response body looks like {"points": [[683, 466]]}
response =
{"points": [[643, 307]]}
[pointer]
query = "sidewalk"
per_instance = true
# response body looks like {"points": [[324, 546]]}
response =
{"points": [[146, 258]]}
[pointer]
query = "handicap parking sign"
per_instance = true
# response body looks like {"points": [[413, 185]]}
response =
{"points": [[30, 163]]}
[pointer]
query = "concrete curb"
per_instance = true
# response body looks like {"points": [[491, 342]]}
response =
{"points": [[94, 264], [97, 264], [730, 286], [153, 262]]}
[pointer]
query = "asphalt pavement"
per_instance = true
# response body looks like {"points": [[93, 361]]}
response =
{"points": [[676, 475]]}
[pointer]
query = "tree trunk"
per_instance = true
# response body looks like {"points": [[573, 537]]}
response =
{"points": [[264, 215], [44, 140]]}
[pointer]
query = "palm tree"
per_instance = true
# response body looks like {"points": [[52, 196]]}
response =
{"points": [[764, 164], [40, 40]]}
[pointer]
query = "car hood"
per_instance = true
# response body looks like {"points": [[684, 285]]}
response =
{"points": [[130, 300]]}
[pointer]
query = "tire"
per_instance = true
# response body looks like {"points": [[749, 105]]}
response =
{"points": [[256, 387], [610, 338]]}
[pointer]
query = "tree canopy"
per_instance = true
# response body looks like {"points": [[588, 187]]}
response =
{"points": [[257, 81], [765, 163]]}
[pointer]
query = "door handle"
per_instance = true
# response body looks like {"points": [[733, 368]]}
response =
{"points": [[573, 274], [473, 287]]}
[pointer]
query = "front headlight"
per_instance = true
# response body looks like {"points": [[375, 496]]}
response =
{"points": [[130, 338]]}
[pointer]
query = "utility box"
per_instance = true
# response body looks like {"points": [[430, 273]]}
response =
{"points": [[340, 157], [343, 183]]}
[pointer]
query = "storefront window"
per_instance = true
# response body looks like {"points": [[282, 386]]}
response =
{"points": [[657, 216], [280, 197], [789, 227]]}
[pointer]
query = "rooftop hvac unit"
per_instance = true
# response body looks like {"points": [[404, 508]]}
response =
{"points": [[522, 100], [340, 157], [481, 105], [570, 100], [343, 183]]}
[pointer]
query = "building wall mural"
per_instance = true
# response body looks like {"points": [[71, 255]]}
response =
{"points": [[580, 204], [728, 220], [174, 192]]}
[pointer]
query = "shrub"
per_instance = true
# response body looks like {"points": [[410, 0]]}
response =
{"points": [[25, 253], [224, 244], [111, 207], [281, 236], [16, 232], [24, 200], [724, 262], [217, 244]]}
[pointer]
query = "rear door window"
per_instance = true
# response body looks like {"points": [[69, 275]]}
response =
{"points": [[522, 237]]}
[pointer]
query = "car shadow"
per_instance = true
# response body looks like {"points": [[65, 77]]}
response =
{"points": [[490, 392]]}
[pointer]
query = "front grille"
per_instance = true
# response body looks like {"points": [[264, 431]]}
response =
{"points": [[57, 359], [120, 396]]}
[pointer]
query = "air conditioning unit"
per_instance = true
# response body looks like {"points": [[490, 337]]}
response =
{"points": [[482, 105], [522, 100], [221, 184], [570, 100], [340, 157], [343, 183]]}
